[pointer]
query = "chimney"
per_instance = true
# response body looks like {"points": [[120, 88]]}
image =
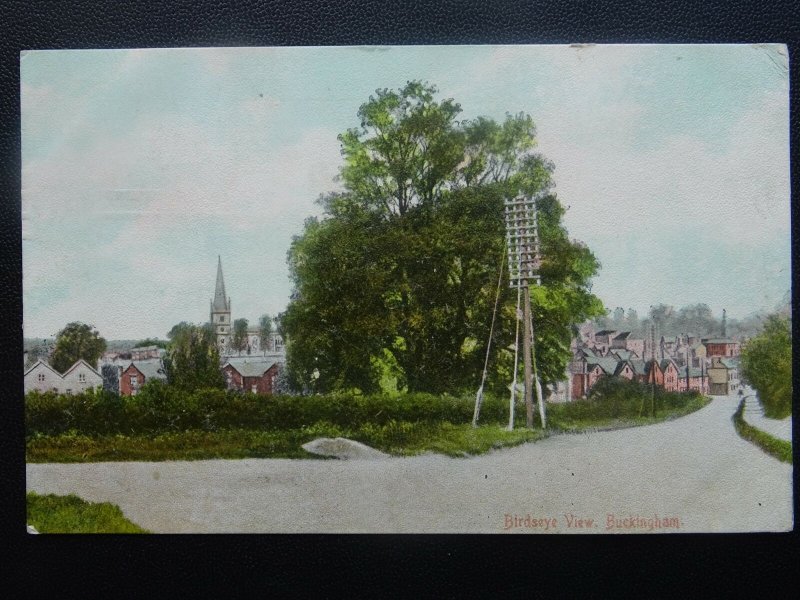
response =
{"points": [[724, 323]]}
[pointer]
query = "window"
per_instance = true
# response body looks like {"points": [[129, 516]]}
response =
{"points": [[134, 380], [69, 392], [82, 377], [40, 377], [222, 318]]}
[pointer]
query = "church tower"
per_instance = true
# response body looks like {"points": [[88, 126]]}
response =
{"points": [[221, 311]]}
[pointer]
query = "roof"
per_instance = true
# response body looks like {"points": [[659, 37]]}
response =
{"points": [[77, 364], [609, 365], [623, 336], [605, 332], [621, 353], [43, 364], [693, 372], [252, 368], [151, 369], [639, 367], [666, 362], [621, 365], [730, 363], [719, 341]]}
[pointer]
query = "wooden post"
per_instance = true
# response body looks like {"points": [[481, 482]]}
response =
{"points": [[527, 355]]}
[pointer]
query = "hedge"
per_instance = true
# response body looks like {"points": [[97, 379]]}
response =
{"points": [[159, 408]]}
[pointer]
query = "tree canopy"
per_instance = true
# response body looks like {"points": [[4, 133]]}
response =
{"points": [[77, 341], [399, 276], [767, 365], [239, 338], [192, 360]]}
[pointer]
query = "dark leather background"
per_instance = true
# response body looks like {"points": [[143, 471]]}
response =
{"points": [[454, 566]]}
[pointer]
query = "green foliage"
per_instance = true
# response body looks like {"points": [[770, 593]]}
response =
{"points": [[77, 341], [160, 408], [192, 360], [777, 448], [70, 514], [239, 340], [616, 399], [265, 325], [151, 342], [405, 261], [766, 363]]}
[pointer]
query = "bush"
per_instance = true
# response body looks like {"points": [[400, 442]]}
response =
{"points": [[767, 365], [620, 398]]}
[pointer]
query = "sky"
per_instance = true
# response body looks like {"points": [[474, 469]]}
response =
{"points": [[140, 167]]}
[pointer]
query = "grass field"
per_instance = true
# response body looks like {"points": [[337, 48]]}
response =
{"points": [[70, 514]]}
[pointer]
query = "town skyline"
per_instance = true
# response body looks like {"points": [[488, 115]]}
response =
{"points": [[140, 167]]}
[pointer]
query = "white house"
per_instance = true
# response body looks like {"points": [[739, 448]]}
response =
{"points": [[81, 377], [78, 378], [43, 378]]}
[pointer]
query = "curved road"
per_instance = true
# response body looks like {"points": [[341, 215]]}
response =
{"points": [[693, 474]]}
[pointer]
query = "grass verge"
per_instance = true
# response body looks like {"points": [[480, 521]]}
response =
{"points": [[397, 438], [780, 449], [69, 514]]}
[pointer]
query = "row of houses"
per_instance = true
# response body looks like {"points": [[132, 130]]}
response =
{"points": [[79, 378], [719, 377], [685, 348], [678, 363], [245, 374]]}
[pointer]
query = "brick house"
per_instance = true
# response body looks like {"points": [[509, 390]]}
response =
{"points": [[624, 341], [722, 347], [653, 373], [251, 375], [146, 352], [670, 370], [692, 378], [137, 374]]}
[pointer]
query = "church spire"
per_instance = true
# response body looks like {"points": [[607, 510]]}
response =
{"points": [[221, 302]]}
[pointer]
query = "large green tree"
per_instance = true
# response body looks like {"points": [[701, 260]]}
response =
{"points": [[400, 274], [76, 341], [192, 360], [766, 363]]}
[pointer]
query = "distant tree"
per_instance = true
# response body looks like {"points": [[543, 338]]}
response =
{"points": [[152, 342], [632, 322], [766, 363], [265, 324], [192, 360], [110, 375], [77, 341], [179, 329], [283, 383], [619, 317], [239, 339]]}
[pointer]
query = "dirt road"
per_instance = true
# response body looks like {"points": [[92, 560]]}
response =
{"points": [[693, 474]]}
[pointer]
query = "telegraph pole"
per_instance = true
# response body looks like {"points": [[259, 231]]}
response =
{"points": [[522, 237]]}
